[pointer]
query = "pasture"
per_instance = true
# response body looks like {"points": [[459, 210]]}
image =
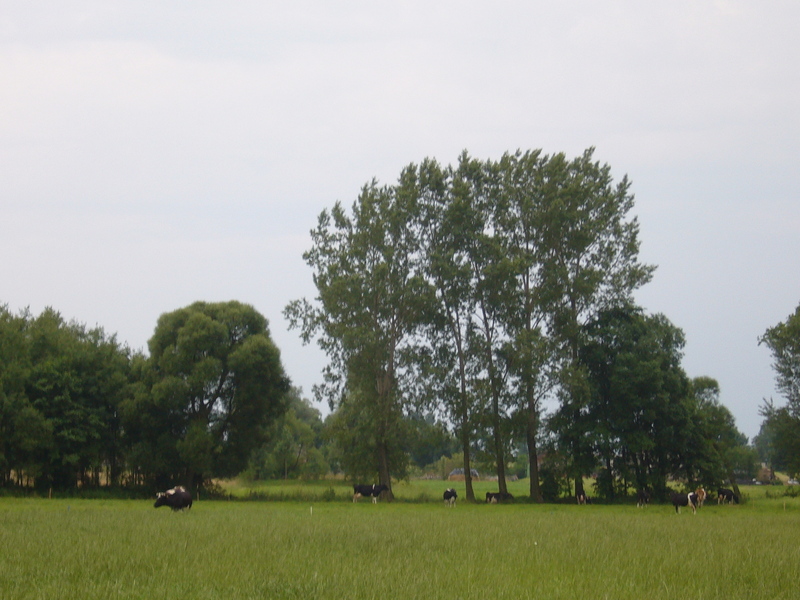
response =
{"points": [[86, 549]]}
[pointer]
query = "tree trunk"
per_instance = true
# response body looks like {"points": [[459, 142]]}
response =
{"points": [[579, 491], [533, 460], [468, 470], [734, 485], [383, 471], [498, 448]]}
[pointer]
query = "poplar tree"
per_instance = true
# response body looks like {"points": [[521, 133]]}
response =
{"points": [[370, 302]]}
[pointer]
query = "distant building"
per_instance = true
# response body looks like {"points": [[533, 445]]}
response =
{"points": [[458, 475]]}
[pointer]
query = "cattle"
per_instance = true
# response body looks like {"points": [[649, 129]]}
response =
{"points": [[726, 496], [690, 500], [495, 497], [701, 496], [450, 496], [582, 498], [642, 498], [177, 498], [369, 490]]}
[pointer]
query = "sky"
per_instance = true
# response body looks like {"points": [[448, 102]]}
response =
{"points": [[157, 153]]}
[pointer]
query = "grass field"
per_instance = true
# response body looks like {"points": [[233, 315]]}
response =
{"points": [[64, 549]]}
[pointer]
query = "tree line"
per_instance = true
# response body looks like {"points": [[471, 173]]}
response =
{"points": [[79, 409], [480, 292], [482, 311]]}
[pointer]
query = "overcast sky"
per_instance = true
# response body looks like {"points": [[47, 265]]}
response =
{"points": [[155, 153]]}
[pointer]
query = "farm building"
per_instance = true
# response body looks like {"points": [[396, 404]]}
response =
{"points": [[458, 475]]}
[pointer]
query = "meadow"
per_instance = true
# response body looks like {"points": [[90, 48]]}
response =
{"points": [[109, 549]]}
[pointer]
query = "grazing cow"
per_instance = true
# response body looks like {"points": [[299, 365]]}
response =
{"points": [[701, 496], [643, 498], [369, 490], [177, 498], [450, 496], [726, 496], [495, 497], [690, 500]]}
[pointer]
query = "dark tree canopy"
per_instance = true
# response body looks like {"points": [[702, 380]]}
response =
{"points": [[210, 389], [60, 388]]}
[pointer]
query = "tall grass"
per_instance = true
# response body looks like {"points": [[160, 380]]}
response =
{"points": [[126, 549]]}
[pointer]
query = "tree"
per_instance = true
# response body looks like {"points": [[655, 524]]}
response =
{"points": [[717, 445], [779, 438], [211, 388], [371, 299], [636, 410], [531, 355], [590, 261], [491, 275], [449, 222], [428, 440], [783, 340], [77, 380], [294, 446], [783, 424]]}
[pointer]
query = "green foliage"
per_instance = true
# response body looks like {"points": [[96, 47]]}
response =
{"points": [[465, 287], [371, 300], [60, 388], [207, 395], [643, 421], [295, 445], [783, 340], [779, 438]]}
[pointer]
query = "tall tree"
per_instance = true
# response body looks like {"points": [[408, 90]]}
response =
{"points": [[450, 222], [530, 353], [477, 184], [590, 248], [371, 298]]}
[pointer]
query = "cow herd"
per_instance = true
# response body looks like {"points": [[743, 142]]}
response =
{"points": [[695, 499], [179, 498]]}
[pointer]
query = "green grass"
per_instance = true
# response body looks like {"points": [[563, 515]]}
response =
{"points": [[126, 549]]}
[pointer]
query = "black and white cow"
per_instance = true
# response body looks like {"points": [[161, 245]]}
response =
{"points": [[178, 498], [726, 496], [369, 490], [679, 500], [450, 496], [495, 497], [642, 498], [583, 499]]}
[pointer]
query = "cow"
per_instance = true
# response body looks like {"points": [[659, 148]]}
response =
{"points": [[450, 496], [582, 498], [369, 490], [642, 498], [701, 496], [679, 500], [726, 496], [495, 497], [178, 498]]}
